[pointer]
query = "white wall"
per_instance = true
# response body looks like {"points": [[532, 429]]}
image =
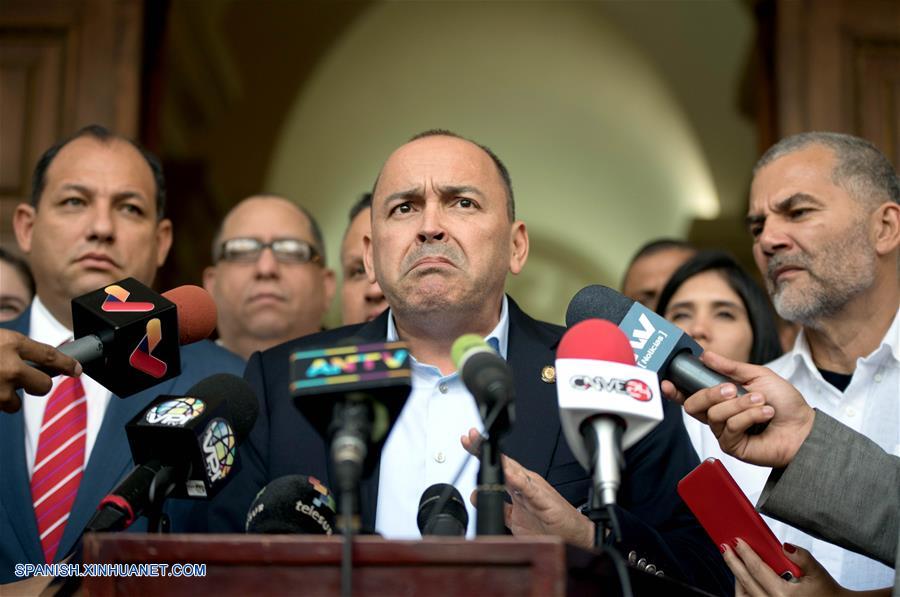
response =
{"points": [[602, 153]]}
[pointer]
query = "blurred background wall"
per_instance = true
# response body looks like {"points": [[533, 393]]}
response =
{"points": [[620, 121]]}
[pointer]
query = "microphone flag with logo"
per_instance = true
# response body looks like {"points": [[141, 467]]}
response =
{"points": [[597, 379], [127, 336], [183, 447], [198, 433], [293, 504], [330, 384], [659, 345]]}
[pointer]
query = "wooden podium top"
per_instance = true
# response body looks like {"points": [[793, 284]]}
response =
{"points": [[310, 565]]}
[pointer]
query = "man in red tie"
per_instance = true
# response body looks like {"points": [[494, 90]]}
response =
{"points": [[95, 217]]}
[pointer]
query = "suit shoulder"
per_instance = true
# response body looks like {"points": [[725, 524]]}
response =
{"points": [[319, 339], [550, 328], [541, 331], [19, 324], [207, 357]]}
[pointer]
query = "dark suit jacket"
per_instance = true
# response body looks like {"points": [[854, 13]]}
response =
{"points": [[841, 486], [656, 523], [109, 463]]}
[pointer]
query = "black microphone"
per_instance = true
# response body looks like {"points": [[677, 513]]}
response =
{"points": [[451, 520], [352, 395], [659, 345], [184, 447], [488, 378], [295, 505], [128, 336]]}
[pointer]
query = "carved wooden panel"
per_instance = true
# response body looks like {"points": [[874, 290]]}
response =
{"points": [[31, 96], [838, 68], [63, 64]]}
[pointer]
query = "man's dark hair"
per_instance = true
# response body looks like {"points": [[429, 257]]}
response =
{"points": [[766, 345], [318, 238], [364, 202], [653, 247], [861, 168], [658, 246], [21, 266], [102, 134], [501, 167]]}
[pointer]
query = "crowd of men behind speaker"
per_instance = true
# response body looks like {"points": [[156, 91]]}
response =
{"points": [[824, 214]]}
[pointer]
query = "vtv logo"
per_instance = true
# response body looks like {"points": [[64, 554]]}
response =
{"points": [[142, 359], [117, 301]]}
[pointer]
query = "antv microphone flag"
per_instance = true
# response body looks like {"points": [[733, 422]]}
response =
{"points": [[375, 374]]}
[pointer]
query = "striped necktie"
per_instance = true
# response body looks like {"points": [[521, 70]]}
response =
{"points": [[59, 462]]}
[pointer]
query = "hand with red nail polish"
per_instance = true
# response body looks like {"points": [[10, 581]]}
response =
{"points": [[753, 578]]}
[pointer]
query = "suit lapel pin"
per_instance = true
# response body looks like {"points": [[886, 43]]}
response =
{"points": [[548, 374]]}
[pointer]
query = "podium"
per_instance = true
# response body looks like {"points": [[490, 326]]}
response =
{"points": [[310, 565]]}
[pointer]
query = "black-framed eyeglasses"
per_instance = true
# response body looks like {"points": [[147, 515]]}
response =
{"points": [[286, 250]]}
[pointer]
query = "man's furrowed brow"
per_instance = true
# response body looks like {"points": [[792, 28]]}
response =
{"points": [[450, 190], [412, 193], [789, 203], [783, 206]]}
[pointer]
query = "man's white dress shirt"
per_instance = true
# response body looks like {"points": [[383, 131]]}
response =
{"points": [[424, 448]]}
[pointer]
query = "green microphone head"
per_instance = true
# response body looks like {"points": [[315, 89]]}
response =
{"points": [[463, 345]]}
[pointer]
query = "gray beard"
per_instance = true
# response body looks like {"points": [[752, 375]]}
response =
{"points": [[844, 270]]}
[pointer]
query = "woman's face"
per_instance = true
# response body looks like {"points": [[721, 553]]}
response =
{"points": [[14, 293], [708, 309]]}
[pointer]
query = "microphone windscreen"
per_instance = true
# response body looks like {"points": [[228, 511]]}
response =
{"points": [[463, 345], [294, 504], [196, 313], [237, 394], [597, 301], [595, 339], [454, 512]]}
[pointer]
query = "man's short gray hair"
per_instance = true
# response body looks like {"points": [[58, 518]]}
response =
{"points": [[861, 168]]}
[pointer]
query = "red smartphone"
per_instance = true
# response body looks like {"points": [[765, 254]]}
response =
{"points": [[725, 513]]}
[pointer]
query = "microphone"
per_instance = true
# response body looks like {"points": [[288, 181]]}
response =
{"points": [[488, 378], [295, 505], [352, 395], [606, 403], [451, 520], [184, 447], [128, 337], [659, 345]]}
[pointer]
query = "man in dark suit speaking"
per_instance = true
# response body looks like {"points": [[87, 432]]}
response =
{"points": [[444, 236]]}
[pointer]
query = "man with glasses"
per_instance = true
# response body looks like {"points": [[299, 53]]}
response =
{"points": [[268, 277]]}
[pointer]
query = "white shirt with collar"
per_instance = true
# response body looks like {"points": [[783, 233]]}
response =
{"points": [[870, 405], [43, 327], [424, 446]]}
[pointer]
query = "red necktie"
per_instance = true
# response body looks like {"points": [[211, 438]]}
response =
{"points": [[59, 462]]}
